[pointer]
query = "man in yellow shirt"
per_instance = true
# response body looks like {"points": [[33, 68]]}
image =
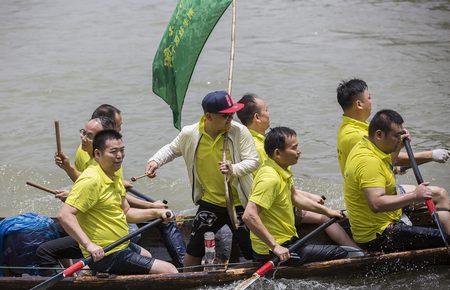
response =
{"points": [[201, 146], [255, 116], [107, 111], [356, 102], [96, 213], [91, 128], [270, 210], [374, 208], [50, 252]]}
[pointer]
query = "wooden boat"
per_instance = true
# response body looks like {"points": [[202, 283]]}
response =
{"points": [[371, 265]]}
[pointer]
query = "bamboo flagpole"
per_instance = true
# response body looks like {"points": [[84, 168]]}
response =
{"points": [[233, 45], [228, 197]]}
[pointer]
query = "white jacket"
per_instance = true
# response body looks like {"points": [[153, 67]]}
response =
{"points": [[242, 150]]}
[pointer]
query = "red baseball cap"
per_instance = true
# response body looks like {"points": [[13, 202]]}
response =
{"points": [[220, 102]]}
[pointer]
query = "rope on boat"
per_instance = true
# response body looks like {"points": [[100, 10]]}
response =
{"points": [[174, 221], [275, 270], [220, 265], [31, 268]]}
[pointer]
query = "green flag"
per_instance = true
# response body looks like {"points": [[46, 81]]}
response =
{"points": [[190, 26]]}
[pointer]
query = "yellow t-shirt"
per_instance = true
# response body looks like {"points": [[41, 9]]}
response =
{"points": [[209, 154], [350, 133], [367, 166], [271, 190], [259, 144], [98, 200], [83, 161]]}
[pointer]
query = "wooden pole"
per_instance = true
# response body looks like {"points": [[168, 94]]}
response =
{"points": [[58, 138], [134, 178], [233, 45], [228, 197], [41, 187]]}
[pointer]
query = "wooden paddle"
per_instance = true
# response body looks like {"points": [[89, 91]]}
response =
{"points": [[134, 178], [58, 138], [80, 264], [229, 197], [430, 204], [270, 264], [41, 187]]}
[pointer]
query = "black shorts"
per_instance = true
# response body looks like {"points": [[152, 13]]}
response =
{"points": [[401, 237], [125, 262], [307, 253], [210, 218]]}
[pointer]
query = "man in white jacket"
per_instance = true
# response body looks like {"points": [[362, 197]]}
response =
{"points": [[201, 146]]}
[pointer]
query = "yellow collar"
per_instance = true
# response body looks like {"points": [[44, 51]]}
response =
{"points": [[354, 122], [380, 154], [284, 174]]}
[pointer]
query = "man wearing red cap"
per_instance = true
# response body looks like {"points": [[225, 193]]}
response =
{"points": [[201, 146]]}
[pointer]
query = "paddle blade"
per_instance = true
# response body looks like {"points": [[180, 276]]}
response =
{"points": [[66, 273], [49, 283], [247, 282], [258, 274]]}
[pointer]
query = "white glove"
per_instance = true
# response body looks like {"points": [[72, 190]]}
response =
{"points": [[440, 155]]}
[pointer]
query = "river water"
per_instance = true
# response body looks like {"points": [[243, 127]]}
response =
{"points": [[61, 59]]}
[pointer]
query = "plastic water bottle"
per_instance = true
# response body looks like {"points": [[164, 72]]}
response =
{"points": [[210, 248]]}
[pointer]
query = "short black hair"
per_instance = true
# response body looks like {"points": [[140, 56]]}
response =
{"points": [[349, 91], [276, 139], [106, 110], [383, 121], [101, 137], [107, 123], [246, 114]]}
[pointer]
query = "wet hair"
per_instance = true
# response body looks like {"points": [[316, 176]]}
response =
{"points": [[349, 91], [103, 136], [383, 121], [276, 139], [106, 110], [246, 114]]}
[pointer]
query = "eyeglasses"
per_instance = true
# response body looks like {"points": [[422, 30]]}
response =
{"points": [[86, 135]]}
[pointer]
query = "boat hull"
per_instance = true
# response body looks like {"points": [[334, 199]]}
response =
{"points": [[372, 265], [375, 265]]}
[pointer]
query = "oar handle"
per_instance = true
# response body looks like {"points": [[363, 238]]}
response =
{"points": [[142, 196], [413, 162], [430, 204], [41, 187], [58, 138]]}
